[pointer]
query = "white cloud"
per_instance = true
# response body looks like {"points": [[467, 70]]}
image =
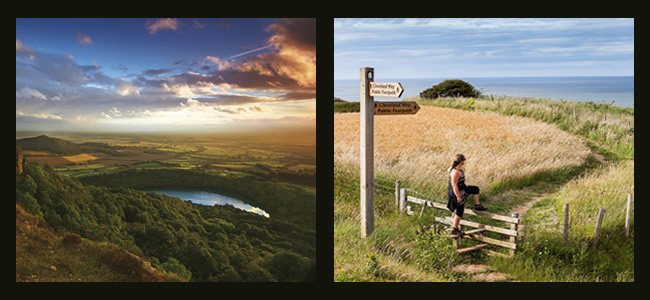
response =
{"points": [[221, 64], [30, 93], [125, 89], [38, 115]]}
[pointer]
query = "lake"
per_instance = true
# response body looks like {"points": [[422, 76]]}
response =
{"points": [[209, 198], [598, 89]]}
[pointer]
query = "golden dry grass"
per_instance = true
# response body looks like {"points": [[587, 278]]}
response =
{"points": [[419, 148], [80, 158], [36, 153]]}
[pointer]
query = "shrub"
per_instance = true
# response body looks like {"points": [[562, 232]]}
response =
{"points": [[174, 266], [72, 239], [450, 88], [433, 251], [128, 264], [342, 106]]}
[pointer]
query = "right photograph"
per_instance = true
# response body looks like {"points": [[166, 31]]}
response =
{"points": [[483, 150]]}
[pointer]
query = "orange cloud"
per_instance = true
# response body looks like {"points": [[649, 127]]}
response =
{"points": [[293, 58], [84, 39], [168, 23]]}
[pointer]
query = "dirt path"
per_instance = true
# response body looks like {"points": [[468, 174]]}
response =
{"points": [[479, 272]]}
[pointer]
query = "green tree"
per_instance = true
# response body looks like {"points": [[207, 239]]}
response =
{"points": [[29, 185], [287, 266], [450, 88], [174, 266]]}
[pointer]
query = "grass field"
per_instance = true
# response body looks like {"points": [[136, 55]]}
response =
{"points": [[518, 150], [242, 155], [418, 149], [80, 158]]}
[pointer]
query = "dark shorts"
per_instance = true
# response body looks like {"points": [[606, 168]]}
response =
{"points": [[472, 190], [464, 192]]}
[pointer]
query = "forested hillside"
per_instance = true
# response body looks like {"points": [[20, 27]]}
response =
{"points": [[205, 243]]}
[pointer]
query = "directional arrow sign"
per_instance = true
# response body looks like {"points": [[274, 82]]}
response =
{"points": [[386, 89], [396, 108]]}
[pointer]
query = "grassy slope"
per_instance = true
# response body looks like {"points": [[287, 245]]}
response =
{"points": [[606, 129], [63, 147]]}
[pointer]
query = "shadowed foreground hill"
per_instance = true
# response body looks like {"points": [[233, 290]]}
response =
{"points": [[118, 227], [44, 255]]}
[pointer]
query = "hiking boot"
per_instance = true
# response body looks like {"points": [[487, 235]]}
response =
{"points": [[479, 207], [456, 231]]}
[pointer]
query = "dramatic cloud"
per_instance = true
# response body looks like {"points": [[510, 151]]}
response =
{"points": [[298, 34], [84, 39], [294, 59], [161, 24], [272, 79]]}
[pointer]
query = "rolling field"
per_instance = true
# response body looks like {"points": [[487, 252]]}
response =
{"points": [[527, 156], [226, 155], [419, 148]]}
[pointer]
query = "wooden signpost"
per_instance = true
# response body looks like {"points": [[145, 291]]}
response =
{"points": [[396, 108], [386, 89], [368, 108]]}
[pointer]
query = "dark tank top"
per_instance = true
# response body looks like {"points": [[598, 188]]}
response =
{"points": [[461, 186]]}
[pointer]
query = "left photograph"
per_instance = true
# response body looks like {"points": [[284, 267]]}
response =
{"points": [[165, 150]]}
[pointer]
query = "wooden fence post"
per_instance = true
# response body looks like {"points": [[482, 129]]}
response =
{"points": [[601, 213], [566, 222], [397, 187], [514, 227], [627, 214], [574, 113], [402, 200]]}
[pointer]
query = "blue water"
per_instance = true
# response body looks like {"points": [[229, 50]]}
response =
{"points": [[620, 90], [208, 198]]}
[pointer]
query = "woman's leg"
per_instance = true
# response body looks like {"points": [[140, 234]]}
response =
{"points": [[456, 221], [476, 198]]}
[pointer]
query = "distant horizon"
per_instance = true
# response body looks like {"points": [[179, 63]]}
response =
{"points": [[532, 76], [261, 131]]}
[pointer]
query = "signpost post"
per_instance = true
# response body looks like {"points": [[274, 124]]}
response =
{"points": [[366, 159], [368, 109]]}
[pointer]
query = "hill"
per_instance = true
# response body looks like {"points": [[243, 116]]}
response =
{"points": [[523, 153], [342, 106], [45, 255], [63, 147], [197, 242]]}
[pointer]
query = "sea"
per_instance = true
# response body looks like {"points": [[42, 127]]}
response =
{"points": [[618, 90]]}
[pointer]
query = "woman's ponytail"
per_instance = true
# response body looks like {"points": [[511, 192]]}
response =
{"points": [[458, 158]]}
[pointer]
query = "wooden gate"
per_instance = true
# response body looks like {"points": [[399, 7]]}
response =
{"points": [[474, 234]]}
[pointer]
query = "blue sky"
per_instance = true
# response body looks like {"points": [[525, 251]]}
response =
{"points": [[165, 74], [435, 48]]}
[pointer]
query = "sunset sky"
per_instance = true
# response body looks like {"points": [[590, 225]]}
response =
{"points": [[165, 74]]}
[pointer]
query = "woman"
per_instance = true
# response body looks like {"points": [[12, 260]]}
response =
{"points": [[457, 193]]}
